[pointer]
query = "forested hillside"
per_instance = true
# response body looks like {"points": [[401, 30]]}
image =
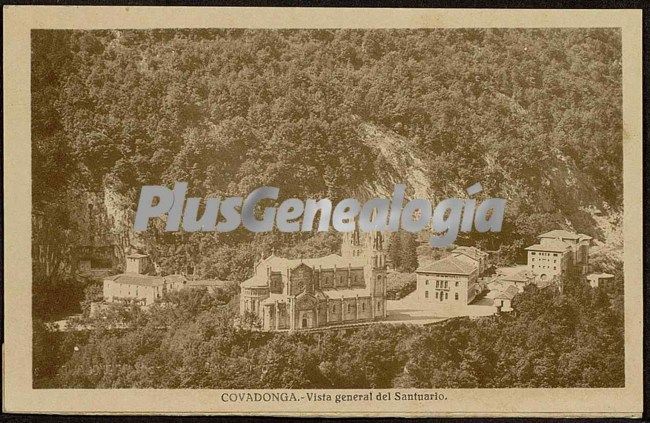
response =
{"points": [[534, 115], [573, 339]]}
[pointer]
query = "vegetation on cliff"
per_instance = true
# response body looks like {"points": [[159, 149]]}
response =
{"points": [[535, 115]]}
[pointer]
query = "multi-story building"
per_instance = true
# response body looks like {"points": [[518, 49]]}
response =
{"points": [[296, 294], [559, 252], [448, 284], [136, 287]]}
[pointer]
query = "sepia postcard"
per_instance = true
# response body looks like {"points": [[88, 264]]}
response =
{"points": [[322, 212]]}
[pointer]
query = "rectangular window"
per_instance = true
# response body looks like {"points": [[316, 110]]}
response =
{"points": [[456, 296], [426, 282], [426, 294], [436, 294], [446, 295]]}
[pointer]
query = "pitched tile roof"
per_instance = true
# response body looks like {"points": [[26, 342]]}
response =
{"points": [[254, 282], [555, 246], [508, 294], [561, 233], [327, 262], [450, 265]]}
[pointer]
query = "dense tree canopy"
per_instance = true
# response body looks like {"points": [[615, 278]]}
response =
{"points": [[230, 110], [573, 339]]}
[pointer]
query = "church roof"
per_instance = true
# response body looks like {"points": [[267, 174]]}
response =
{"points": [[561, 233], [327, 262], [450, 265], [254, 282]]}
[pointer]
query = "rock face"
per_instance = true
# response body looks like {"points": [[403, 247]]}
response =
{"points": [[105, 218], [582, 206], [104, 221]]}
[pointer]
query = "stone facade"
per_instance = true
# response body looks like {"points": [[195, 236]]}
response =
{"points": [[298, 294], [558, 253]]}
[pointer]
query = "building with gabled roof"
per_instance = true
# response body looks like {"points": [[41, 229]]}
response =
{"points": [[518, 276], [559, 252], [474, 255], [503, 300], [308, 293], [447, 285], [136, 287]]}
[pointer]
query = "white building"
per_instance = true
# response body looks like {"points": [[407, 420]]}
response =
{"points": [[447, 285], [559, 252], [135, 287]]}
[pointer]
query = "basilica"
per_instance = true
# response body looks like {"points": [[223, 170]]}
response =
{"points": [[298, 294]]}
